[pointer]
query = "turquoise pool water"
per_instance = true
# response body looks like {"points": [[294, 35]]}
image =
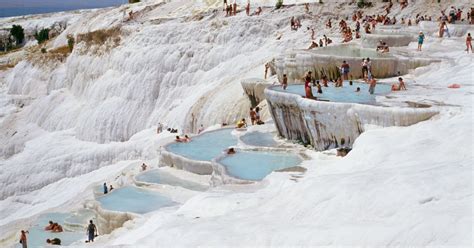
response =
{"points": [[160, 177], [205, 147], [256, 165], [259, 139], [135, 200], [345, 94], [37, 235]]}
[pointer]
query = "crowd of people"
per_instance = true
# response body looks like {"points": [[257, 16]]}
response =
{"points": [[231, 8], [345, 69]]}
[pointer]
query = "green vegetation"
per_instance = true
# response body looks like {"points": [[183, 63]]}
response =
{"points": [[133, 1], [363, 4], [70, 42], [43, 50], [42, 36], [18, 33], [279, 4]]}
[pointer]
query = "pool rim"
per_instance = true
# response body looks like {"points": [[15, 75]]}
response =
{"points": [[101, 210], [222, 176]]}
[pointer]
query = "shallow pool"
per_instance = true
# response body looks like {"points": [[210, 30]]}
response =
{"points": [[160, 177], [259, 139], [135, 200], [349, 51], [256, 165], [205, 147], [37, 235], [342, 94]]}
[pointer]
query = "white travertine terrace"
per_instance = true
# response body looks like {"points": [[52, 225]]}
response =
{"points": [[327, 125]]}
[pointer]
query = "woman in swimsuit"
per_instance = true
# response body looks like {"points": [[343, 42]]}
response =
{"points": [[307, 86], [468, 42]]}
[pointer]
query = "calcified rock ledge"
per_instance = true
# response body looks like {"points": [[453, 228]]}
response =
{"points": [[254, 89], [170, 159], [392, 40], [296, 63], [327, 125], [108, 220]]}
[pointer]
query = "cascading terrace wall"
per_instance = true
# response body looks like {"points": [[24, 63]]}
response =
{"points": [[327, 125]]}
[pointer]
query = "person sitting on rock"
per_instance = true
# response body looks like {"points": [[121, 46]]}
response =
{"points": [[400, 86], [313, 45], [258, 11], [186, 138], [241, 124], [380, 46]]}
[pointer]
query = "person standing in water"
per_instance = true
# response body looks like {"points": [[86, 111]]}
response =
{"points": [[421, 38], [307, 86], [468, 42], [23, 239], [373, 83], [345, 68], [284, 84], [106, 190], [253, 116], [318, 85], [364, 68], [91, 232]]}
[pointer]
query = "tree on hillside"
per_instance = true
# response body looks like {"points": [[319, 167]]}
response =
{"points": [[42, 36], [133, 1], [18, 33], [279, 4]]}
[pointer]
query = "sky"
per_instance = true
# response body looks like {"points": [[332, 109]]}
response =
{"points": [[24, 7]]}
